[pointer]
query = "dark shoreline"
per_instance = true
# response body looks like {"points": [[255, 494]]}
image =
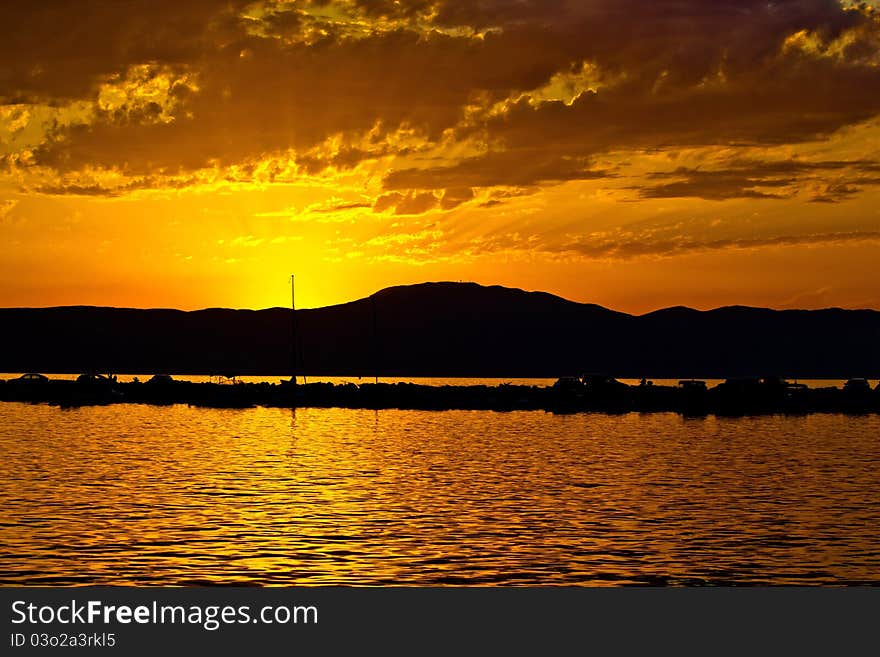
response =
{"points": [[733, 398]]}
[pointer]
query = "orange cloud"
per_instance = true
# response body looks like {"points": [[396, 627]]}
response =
{"points": [[578, 131]]}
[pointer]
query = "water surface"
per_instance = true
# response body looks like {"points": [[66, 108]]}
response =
{"points": [[176, 495]]}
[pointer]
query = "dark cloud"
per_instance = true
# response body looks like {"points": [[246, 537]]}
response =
{"points": [[342, 206], [758, 180], [54, 50], [481, 14], [625, 245], [835, 193], [410, 203], [72, 188], [514, 168], [454, 197], [671, 73], [279, 97], [715, 186], [344, 158], [779, 108]]}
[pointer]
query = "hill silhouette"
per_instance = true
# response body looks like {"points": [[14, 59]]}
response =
{"points": [[447, 329]]}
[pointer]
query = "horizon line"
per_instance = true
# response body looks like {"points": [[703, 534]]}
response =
{"points": [[453, 283]]}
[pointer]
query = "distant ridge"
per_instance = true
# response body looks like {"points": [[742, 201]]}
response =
{"points": [[447, 329]]}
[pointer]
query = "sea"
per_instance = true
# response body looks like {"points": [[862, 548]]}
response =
{"points": [[177, 495]]}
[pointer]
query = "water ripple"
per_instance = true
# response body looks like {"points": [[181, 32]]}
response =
{"points": [[178, 495]]}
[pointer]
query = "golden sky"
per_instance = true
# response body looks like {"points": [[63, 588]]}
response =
{"points": [[632, 153]]}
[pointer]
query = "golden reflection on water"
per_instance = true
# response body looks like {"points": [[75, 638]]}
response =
{"points": [[177, 495]]}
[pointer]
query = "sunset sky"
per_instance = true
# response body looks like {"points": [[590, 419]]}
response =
{"points": [[632, 153]]}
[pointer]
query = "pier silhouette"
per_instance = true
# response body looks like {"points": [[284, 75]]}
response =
{"points": [[590, 393]]}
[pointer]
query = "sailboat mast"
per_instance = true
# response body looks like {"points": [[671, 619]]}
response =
{"points": [[375, 341], [293, 335]]}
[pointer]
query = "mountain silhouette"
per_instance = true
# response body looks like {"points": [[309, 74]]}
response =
{"points": [[446, 329]]}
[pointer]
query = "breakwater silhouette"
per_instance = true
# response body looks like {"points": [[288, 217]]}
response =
{"points": [[568, 395]]}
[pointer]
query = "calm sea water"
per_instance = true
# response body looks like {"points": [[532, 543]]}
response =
{"points": [[135, 494]]}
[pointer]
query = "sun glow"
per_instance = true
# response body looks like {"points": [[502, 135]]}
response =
{"points": [[199, 161]]}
